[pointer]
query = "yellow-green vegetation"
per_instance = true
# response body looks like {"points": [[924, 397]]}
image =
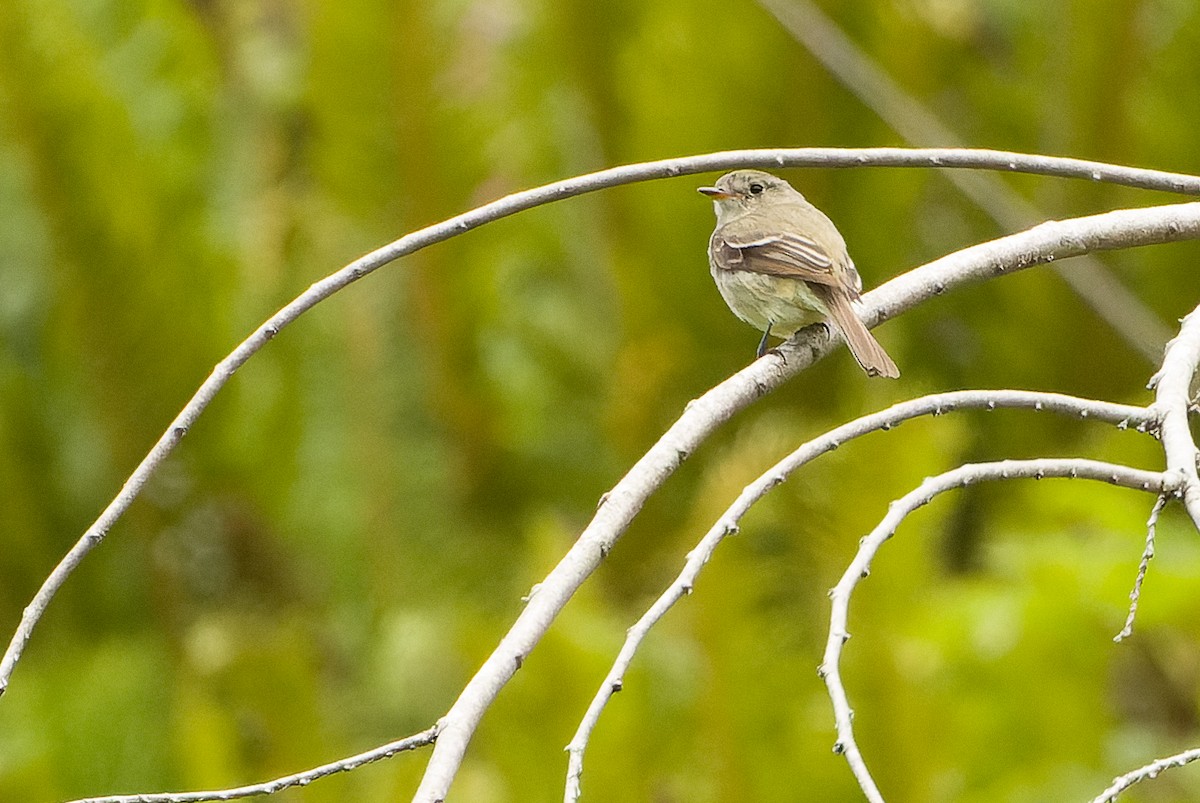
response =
{"points": [[349, 529]]}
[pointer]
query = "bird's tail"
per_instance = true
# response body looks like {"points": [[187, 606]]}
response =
{"points": [[863, 345]]}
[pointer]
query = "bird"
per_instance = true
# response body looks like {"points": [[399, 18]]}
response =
{"points": [[781, 264]]}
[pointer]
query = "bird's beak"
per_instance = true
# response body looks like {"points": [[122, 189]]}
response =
{"points": [[715, 193]]}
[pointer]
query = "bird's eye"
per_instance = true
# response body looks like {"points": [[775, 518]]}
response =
{"points": [[756, 188]]}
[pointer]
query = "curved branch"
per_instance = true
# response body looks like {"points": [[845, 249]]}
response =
{"points": [[1098, 287], [1172, 400], [510, 205], [860, 566], [1047, 242], [1151, 770], [270, 787], [1043, 243], [935, 404]]}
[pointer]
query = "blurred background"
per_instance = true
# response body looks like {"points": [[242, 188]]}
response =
{"points": [[348, 530]]}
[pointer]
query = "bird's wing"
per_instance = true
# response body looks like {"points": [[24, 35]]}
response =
{"points": [[788, 255]]}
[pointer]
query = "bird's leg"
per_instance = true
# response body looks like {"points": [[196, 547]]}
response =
{"points": [[762, 344]]}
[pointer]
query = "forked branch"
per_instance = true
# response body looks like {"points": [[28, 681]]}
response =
{"points": [[839, 632], [1044, 243], [510, 205], [1120, 415], [1047, 242]]}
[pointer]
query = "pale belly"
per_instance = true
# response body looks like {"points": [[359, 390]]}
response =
{"points": [[784, 304]]}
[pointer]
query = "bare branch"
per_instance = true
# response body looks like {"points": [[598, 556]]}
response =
{"points": [[1172, 400], [1151, 770], [1136, 323], [860, 566], [1044, 243], [1143, 567], [270, 787], [1055, 240], [519, 202], [1047, 242], [935, 404]]}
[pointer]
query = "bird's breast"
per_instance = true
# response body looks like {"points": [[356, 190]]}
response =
{"points": [[759, 300]]}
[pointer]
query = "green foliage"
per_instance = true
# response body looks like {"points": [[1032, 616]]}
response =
{"points": [[347, 532]]}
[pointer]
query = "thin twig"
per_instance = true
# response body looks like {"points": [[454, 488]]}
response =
{"points": [[1151, 770], [936, 404], [270, 787], [1115, 303], [898, 510], [1172, 397], [519, 202], [1143, 567]]}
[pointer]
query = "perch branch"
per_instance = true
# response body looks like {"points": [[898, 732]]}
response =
{"points": [[936, 404], [1111, 300], [1043, 243], [510, 205], [1056, 240], [898, 510]]}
